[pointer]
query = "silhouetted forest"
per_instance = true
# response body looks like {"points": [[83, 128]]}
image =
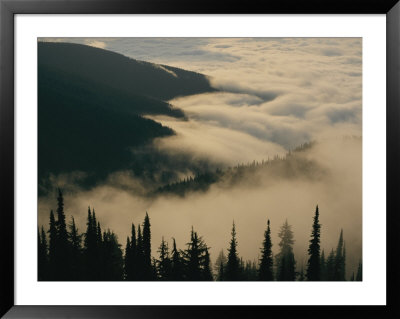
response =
{"points": [[65, 254], [291, 166], [91, 102]]}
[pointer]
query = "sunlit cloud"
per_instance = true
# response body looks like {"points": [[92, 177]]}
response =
{"points": [[275, 94]]}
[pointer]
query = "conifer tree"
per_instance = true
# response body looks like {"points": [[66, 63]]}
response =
{"points": [[177, 272], [313, 265], [266, 261], [62, 253], [133, 253], [163, 264], [219, 266], [90, 248], [100, 252], [140, 273], [52, 247], [339, 263], [76, 251], [128, 260], [99, 238], [89, 231], [112, 268], [330, 267], [42, 255], [147, 247], [344, 261], [232, 271], [194, 258], [285, 262]]}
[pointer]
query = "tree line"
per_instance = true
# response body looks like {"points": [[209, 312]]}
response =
{"points": [[64, 254]]}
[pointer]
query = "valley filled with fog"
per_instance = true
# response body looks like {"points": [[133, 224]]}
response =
{"points": [[277, 122]]}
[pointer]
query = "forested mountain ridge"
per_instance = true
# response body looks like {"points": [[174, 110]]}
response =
{"points": [[118, 71], [90, 107], [291, 166]]}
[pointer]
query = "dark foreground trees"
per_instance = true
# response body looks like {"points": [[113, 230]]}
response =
{"points": [[285, 261], [314, 262], [64, 254], [266, 262], [232, 271]]}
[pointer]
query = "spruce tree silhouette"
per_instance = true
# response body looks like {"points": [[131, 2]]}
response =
{"points": [[42, 255], [91, 267], [314, 262], [76, 251], [112, 267], [285, 261], [220, 264], [265, 272], [330, 267], [128, 260], [340, 260], [147, 248], [232, 271], [194, 258], [163, 264], [63, 258], [100, 253], [177, 271], [140, 274], [62, 252], [52, 247], [133, 253]]}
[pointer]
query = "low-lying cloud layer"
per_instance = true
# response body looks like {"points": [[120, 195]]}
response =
{"points": [[275, 94], [338, 194]]}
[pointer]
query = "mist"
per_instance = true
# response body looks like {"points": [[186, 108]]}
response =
{"points": [[274, 94], [337, 193]]}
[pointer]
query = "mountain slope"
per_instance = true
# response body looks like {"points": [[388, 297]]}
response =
{"points": [[293, 166], [120, 72], [90, 107]]}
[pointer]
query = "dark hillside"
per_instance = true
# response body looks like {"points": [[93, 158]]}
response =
{"points": [[90, 107], [120, 72]]}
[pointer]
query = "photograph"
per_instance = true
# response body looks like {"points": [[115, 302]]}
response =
{"points": [[200, 159]]}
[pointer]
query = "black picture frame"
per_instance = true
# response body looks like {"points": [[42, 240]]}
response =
{"points": [[9, 8]]}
